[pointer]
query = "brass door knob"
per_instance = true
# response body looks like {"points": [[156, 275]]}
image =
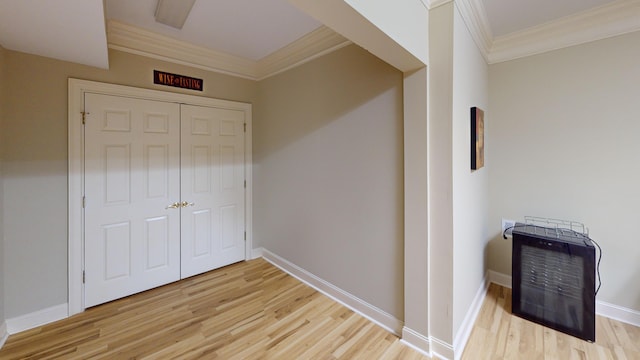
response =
{"points": [[175, 205], [185, 204]]}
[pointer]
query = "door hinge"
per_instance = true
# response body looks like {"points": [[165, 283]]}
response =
{"points": [[83, 278], [245, 184], [245, 127], [245, 236], [84, 201], [84, 117]]}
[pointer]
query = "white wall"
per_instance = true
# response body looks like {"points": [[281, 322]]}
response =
{"points": [[564, 144], [470, 187], [441, 173], [396, 32], [328, 165], [458, 196], [416, 215], [34, 148], [405, 21]]}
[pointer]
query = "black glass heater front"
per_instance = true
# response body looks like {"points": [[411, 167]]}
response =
{"points": [[553, 281]]}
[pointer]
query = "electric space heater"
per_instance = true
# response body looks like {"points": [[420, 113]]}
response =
{"points": [[553, 281]]}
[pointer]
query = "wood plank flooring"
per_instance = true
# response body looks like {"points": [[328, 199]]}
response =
{"points": [[497, 334], [253, 310], [249, 310]]}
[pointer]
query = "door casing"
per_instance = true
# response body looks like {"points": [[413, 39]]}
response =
{"points": [[76, 90]]}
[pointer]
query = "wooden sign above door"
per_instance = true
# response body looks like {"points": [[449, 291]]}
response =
{"points": [[175, 80]]}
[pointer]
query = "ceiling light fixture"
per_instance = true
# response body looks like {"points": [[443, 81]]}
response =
{"points": [[173, 12]]}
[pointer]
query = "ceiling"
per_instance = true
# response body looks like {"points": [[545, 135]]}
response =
{"points": [[75, 30], [251, 29], [54, 29], [508, 16]]}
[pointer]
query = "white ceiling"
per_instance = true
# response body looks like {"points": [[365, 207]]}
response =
{"points": [[74, 30], [247, 28], [508, 16], [71, 30]]}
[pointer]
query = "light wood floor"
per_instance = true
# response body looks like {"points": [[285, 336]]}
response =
{"points": [[252, 310], [497, 334]]}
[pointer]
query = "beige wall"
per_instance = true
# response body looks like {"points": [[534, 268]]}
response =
{"points": [[2, 101], [564, 144], [458, 196], [470, 188], [440, 195], [34, 149], [328, 165]]}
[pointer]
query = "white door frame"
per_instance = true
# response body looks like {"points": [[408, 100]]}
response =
{"points": [[77, 89]]}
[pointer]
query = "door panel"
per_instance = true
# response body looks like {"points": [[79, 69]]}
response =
{"points": [[212, 179], [132, 172], [117, 250], [140, 157]]}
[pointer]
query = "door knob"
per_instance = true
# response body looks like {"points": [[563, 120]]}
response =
{"points": [[175, 205], [185, 204]]}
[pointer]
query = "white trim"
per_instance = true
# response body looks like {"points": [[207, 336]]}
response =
{"points": [[617, 18], [432, 4], [613, 19], [378, 316], [311, 46], [464, 332], [77, 89], [37, 318], [138, 41], [416, 341], [475, 17], [248, 176], [618, 313], [441, 349], [257, 253], [611, 311], [143, 42], [75, 192], [4, 334], [499, 278]]}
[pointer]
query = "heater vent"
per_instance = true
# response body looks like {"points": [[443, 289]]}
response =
{"points": [[554, 280]]}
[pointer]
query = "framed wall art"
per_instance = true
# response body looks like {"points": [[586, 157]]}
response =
{"points": [[477, 138]]}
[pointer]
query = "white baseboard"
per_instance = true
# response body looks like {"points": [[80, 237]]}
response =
{"points": [[499, 279], [416, 341], [383, 319], [464, 332], [441, 349], [37, 318], [4, 334], [256, 253], [605, 309], [619, 313]]}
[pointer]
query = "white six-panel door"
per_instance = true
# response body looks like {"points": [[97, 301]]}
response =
{"points": [[213, 188], [132, 172], [164, 187]]}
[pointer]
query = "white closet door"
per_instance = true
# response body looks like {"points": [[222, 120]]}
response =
{"points": [[212, 187], [132, 173]]}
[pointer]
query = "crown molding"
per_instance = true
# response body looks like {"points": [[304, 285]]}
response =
{"points": [[313, 45], [143, 42], [432, 4], [617, 18], [138, 41], [475, 17]]}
